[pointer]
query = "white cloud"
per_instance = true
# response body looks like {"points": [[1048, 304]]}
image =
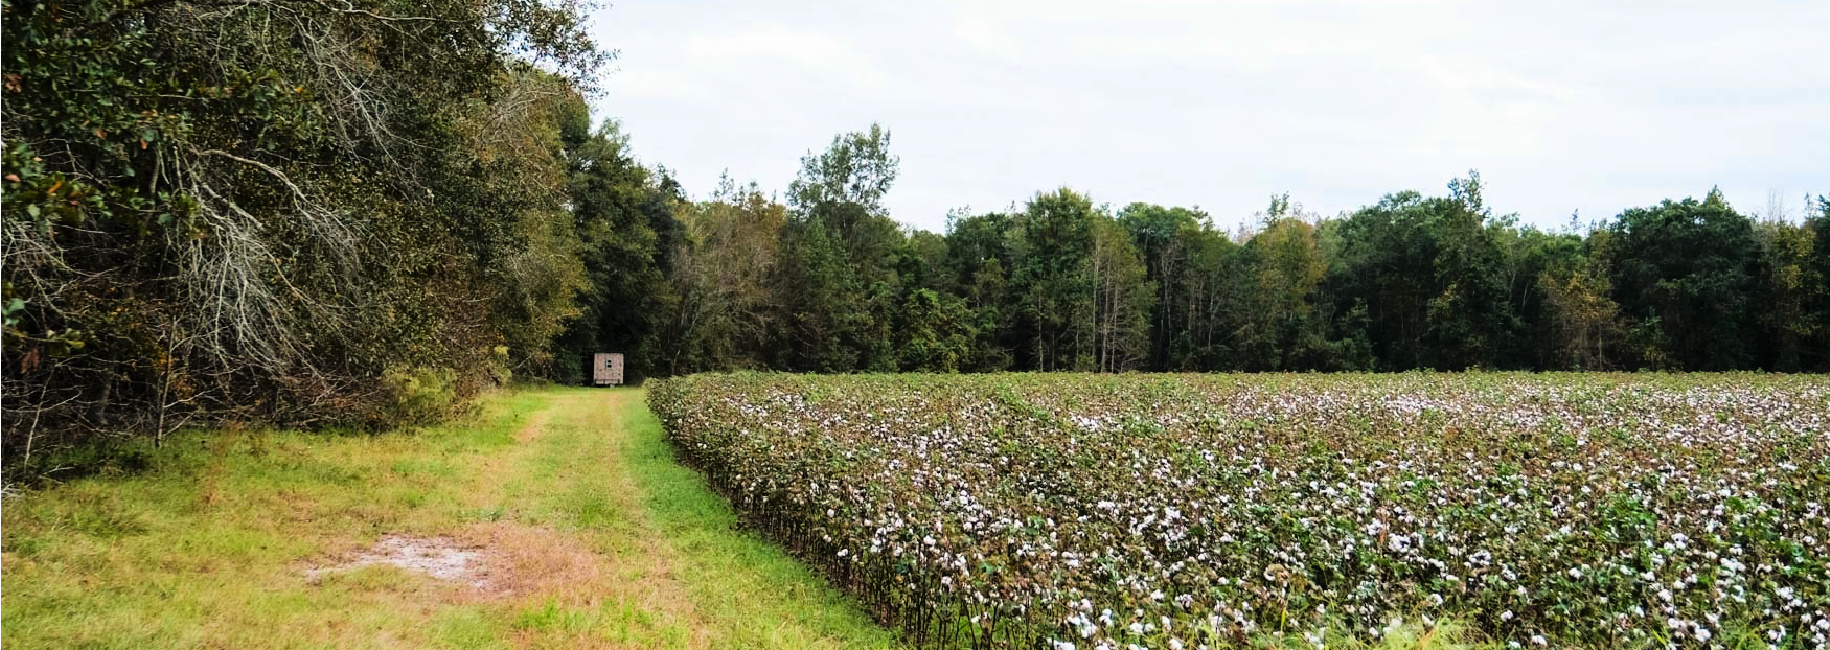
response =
{"points": [[784, 52], [1563, 105]]}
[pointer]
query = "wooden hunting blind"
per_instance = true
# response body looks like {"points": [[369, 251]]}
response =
{"points": [[607, 369]]}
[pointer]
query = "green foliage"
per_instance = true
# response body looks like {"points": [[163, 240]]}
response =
{"points": [[1441, 290], [1814, 352], [1584, 319], [1051, 287], [624, 216], [936, 333], [857, 169], [1167, 239], [420, 394], [1684, 275], [724, 313], [838, 285], [1411, 282], [1792, 289], [256, 212], [1279, 326], [1122, 300]]}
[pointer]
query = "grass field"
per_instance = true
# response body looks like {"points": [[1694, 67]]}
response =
{"points": [[587, 534]]}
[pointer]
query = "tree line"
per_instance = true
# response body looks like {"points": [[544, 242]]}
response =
{"points": [[328, 214], [827, 281]]}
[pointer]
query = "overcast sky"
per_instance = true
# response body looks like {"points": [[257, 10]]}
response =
{"points": [[1562, 106]]}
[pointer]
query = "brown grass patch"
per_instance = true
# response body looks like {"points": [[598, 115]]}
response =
{"points": [[491, 561], [531, 561]]}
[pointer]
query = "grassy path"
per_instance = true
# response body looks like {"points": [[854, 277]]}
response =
{"points": [[587, 534]]}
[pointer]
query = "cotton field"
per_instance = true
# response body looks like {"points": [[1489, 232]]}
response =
{"points": [[1191, 511]]}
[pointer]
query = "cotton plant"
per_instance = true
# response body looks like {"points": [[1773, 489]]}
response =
{"points": [[1099, 511]]}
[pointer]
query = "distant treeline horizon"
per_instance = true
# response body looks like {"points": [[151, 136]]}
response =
{"points": [[827, 281], [310, 215]]}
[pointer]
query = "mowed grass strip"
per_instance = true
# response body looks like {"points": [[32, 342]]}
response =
{"points": [[591, 537]]}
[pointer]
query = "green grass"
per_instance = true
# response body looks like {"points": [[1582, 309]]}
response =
{"points": [[698, 522], [604, 540]]}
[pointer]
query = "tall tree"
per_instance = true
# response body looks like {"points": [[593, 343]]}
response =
{"points": [[1387, 263], [1165, 239], [625, 218], [978, 259], [1814, 354], [1210, 297], [1786, 281], [935, 333], [726, 312], [1583, 318], [1280, 329], [1051, 283], [1471, 316], [1683, 275], [1122, 300], [839, 288]]}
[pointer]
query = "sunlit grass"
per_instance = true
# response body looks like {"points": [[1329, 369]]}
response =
{"points": [[603, 542]]}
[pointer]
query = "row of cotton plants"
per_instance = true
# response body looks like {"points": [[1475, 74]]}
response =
{"points": [[1185, 511]]}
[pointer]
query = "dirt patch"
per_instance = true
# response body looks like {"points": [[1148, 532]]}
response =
{"points": [[493, 561], [440, 557]]}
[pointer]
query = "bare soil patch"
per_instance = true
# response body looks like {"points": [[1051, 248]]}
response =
{"points": [[439, 557], [490, 561]]}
